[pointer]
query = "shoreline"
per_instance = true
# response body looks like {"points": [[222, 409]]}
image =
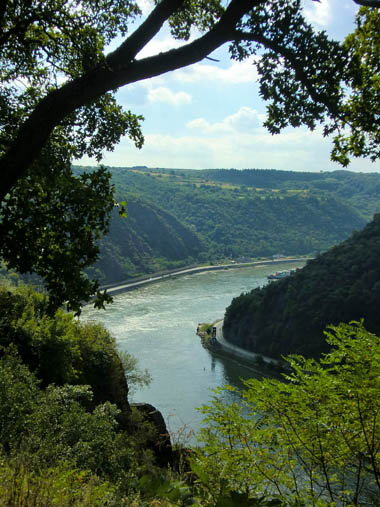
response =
{"points": [[128, 285], [218, 345]]}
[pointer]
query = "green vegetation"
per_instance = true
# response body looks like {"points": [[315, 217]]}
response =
{"points": [[67, 431], [289, 315], [68, 434], [51, 220], [148, 241], [362, 77], [360, 190], [313, 440], [204, 330], [61, 350], [182, 217]]}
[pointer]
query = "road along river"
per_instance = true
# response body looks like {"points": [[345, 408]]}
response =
{"points": [[157, 324]]}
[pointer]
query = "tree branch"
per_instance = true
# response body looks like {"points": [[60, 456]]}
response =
{"points": [[144, 33], [296, 65], [117, 70]]}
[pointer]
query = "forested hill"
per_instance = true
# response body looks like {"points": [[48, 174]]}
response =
{"points": [[224, 214], [289, 315], [148, 240], [361, 190]]}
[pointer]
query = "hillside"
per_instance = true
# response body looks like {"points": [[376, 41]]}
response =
{"points": [[360, 190], [148, 240], [218, 215], [289, 315]]}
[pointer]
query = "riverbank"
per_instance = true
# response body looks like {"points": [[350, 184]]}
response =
{"points": [[132, 284], [213, 340]]}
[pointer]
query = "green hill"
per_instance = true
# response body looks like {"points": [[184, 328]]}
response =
{"points": [[289, 315], [179, 217], [360, 190], [148, 240]]}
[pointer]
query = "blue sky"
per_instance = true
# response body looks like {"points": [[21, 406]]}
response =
{"points": [[209, 115]]}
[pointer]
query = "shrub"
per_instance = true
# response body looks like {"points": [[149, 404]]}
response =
{"points": [[313, 440]]}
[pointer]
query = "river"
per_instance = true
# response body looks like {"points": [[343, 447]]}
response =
{"points": [[157, 324]]}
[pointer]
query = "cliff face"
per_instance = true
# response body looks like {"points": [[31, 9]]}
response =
{"points": [[148, 240], [289, 316]]}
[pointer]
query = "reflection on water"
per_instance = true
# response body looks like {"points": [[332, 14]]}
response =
{"points": [[157, 324]]}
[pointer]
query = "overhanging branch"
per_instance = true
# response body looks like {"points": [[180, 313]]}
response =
{"points": [[117, 70], [144, 33], [296, 65]]}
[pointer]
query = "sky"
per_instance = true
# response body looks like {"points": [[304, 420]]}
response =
{"points": [[210, 115]]}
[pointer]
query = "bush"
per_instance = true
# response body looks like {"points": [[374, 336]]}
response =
{"points": [[59, 349], [64, 486], [313, 440], [63, 401]]}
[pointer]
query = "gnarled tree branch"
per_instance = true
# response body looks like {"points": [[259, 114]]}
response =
{"points": [[295, 63], [118, 69]]}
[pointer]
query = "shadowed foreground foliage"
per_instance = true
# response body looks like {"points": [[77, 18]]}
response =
{"points": [[65, 421]]}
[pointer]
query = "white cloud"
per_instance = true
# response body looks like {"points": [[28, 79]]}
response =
{"points": [[238, 72], [159, 46], [145, 6], [245, 119], [289, 151], [162, 94], [295, 149], [319, 13]]}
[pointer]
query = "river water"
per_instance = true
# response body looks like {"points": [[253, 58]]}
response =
{"points": [[157, 324]]}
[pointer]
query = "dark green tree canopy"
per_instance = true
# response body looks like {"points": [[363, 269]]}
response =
{"points": [[57, 104]]}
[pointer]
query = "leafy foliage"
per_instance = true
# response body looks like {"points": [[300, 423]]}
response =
{"points": [[62, 485], [45, 429], [65, 420], [300, 71], [313, 440], [51, 226], [62, 350], [362, 105], [50, 220], [43, 40]]}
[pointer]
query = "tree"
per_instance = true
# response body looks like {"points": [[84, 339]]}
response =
{"points": [[360, 110], [313, 440], [57, 104]]}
